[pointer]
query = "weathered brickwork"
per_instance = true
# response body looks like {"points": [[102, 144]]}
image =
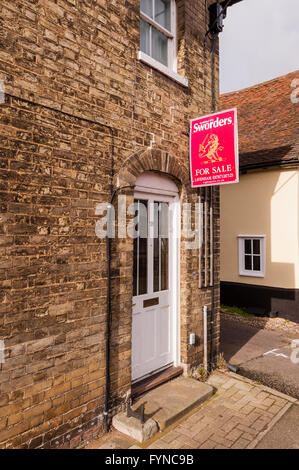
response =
{"points": [[81, 111]]}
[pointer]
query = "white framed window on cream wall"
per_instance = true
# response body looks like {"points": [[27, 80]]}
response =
{"points": [[252, 255], [158, 42]]}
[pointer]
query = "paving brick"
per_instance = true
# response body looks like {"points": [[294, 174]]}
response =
{"points": [[240, 444], [243, 386], [203, 436], [234, 434], [170, 437], [274, 409], [247, 429], [268, 401], [230, 425], [208, 445], [229, 384], [259, 424], [247, 409]]}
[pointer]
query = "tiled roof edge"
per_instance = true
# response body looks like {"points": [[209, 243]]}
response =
{"points": [[258, 85]]}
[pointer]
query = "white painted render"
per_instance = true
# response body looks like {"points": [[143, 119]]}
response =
{"points": [[264, 202]]}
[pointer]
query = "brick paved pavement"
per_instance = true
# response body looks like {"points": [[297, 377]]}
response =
{"points": [[237, 417]]}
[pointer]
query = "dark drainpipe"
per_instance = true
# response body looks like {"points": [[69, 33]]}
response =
{"points": [[113, 192], [108, 318], [212, 214]]}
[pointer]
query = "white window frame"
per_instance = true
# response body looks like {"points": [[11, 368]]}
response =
{"points": [[171, 69], [241, 246]]}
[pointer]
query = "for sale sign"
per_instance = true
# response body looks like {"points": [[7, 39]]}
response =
{"points": [[214, 157]]}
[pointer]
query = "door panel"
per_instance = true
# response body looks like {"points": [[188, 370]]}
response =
{"points": [[164, 343]]}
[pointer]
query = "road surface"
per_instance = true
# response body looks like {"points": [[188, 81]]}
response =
{"points": [[270, 357]]}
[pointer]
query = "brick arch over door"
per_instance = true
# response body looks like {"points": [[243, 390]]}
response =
{"points": [[152, 159]]}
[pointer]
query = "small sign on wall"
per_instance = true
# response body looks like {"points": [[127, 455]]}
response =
{"points": [[214, 156]]}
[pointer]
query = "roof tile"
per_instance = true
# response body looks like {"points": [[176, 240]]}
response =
{"points": [[268, 121]]}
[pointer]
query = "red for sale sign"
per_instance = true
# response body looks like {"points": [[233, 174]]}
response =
{"points": [[214, 157]]}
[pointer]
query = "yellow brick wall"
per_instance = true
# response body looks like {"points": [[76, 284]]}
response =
{"points": [[78, 104]]}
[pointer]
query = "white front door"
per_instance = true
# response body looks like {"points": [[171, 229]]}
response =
{"points": [[153, 301]]}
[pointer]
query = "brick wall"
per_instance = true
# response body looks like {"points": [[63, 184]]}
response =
{"points": [[78, 105]]}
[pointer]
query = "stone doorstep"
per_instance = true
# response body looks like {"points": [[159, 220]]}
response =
{"points": [[133, 428], [163, 406]]}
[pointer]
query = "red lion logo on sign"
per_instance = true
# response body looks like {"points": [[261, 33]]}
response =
{"points": [[209, 149]]}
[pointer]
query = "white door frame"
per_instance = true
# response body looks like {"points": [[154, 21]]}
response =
{"points": [[175, 279], [171, 193]]}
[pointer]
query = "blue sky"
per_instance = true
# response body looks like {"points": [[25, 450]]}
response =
{"points": [[260, 41]]}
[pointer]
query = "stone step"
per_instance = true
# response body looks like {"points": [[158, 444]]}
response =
{"points": [[163, 406]]}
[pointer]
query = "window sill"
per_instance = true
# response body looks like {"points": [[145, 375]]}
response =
{"points": [[252, 274], [161, 68]]}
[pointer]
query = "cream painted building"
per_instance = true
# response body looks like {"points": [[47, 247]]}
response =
{"points": [[260, 214]]}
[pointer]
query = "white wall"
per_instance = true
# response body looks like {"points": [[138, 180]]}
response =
{"points": [[263, 202]]}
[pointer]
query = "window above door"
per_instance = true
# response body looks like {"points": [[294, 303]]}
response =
{"points": [[251, 255], [158, 37]]}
